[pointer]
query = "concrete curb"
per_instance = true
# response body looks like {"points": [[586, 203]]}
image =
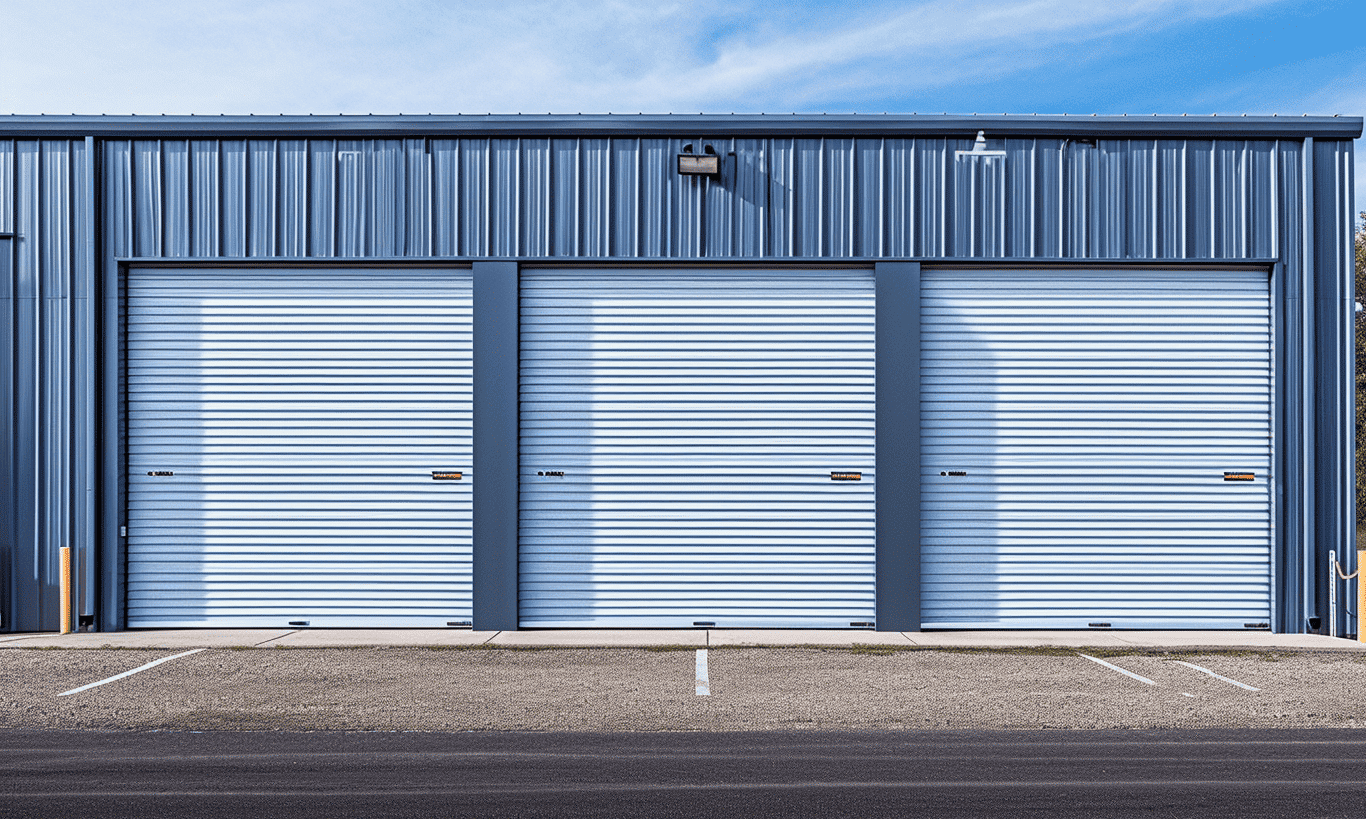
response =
{"points": [[1138, 641]]}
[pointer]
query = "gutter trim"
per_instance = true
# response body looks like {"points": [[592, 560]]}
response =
{"points": [[682, 126]]}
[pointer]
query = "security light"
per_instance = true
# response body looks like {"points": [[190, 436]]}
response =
{"points": [[706, 163]]}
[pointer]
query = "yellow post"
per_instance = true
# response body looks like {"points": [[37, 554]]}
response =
{"points": [[1361, 595], [66, 590]]}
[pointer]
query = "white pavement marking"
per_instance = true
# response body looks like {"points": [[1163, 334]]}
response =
{"points": [[131, 673], [1243, 686], [19, 637], [1116, 668], [703, 686]]}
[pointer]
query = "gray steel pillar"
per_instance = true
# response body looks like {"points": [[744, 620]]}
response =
{"points": [[9, 546], [495, 445], [898, 445]]}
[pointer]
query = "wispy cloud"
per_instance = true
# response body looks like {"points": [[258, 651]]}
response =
{"points": [[420, 56], [898, 49]]}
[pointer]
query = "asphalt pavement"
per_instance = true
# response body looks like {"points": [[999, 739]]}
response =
{"points": [[1056, 774]]}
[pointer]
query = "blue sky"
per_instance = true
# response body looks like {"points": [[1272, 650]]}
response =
{"points": [[419, 56]]}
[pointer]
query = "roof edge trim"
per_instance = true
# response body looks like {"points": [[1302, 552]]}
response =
{"points": [[646, 125]]}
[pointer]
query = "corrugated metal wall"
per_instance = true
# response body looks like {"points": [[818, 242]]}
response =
{"points": [[1167, 199], [46, 201], [598, 197]]}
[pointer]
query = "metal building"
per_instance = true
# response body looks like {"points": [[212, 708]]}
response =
{"points": [[897, 372]]}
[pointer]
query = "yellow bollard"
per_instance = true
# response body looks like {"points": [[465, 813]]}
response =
{"points": [[66, 590], [1361, 595]]}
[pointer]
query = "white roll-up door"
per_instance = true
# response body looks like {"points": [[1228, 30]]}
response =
{"points": [[697, 448], [1096, 448], [294, 437]]}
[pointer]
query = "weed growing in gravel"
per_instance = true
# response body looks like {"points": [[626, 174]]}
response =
{"points": [[880, 651], [1191, 655], [487, 647], [1041, 651], [86, 648]]}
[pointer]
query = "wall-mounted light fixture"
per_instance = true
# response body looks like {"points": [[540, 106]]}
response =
{"points": [[979, 148], [706, 163]]}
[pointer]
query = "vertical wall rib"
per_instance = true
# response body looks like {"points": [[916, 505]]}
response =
{"points": [[505, 191], [84, 392], [718, 204], [625, 198], [292, 179]]}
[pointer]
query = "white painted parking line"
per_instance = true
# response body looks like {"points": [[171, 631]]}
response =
{"points": [[19, 637], [703, 686], [1116, 668], [152, 664], [1243, 686]]}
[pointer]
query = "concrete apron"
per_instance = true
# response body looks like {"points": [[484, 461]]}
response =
{"points": [[700, 638]]}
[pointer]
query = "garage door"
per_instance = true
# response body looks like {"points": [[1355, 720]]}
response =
{"points": [[697, 448], [1096, 449], [299, 447]]}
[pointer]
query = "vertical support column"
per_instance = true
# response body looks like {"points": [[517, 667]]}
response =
{"points": [[1334, 389], [113, 543], [1314, 588], [33, 598], [898, 445], [1302, 581], [9, 543], [496, 358], [1288, 566], [84, 371]]}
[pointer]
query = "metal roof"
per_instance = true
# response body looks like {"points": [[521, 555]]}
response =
{"points": [[514, 125]]}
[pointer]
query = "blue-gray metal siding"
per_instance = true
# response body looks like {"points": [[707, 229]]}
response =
{"points": [[886, 195], [789, 197], [46, 196]]}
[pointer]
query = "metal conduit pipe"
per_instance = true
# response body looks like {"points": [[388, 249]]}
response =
{"points": [[1334, 572]]}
